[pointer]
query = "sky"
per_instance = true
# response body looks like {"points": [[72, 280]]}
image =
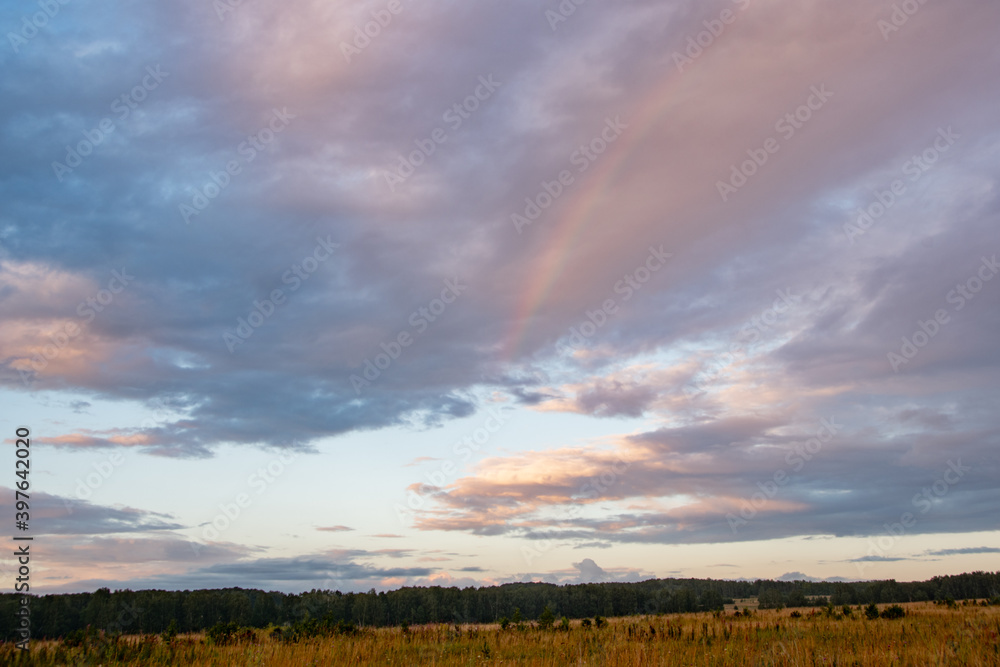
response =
{"points": [[354, 295]]}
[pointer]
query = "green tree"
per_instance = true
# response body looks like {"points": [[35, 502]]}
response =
{"points": [[546, 619]]}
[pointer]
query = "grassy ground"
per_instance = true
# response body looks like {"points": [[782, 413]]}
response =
{"points": [[928, 635]]}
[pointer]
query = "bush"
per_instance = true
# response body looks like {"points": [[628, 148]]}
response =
{"points": [[223, 633], [504, 622], [895, 611], [796, 614], [846, 611], [585, 623], [170, 633], [546, 619], [564, 624], [347, 628], [599, 622], [871, 611]]}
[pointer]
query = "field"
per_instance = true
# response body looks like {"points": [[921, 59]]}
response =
{"points": [[928, 635]]}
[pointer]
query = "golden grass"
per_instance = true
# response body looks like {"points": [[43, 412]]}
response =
{"points": [[928, 635]]}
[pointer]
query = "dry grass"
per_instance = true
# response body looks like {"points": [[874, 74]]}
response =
{"points": [[928, 635]]}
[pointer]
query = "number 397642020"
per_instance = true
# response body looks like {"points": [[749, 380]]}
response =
{"points": [[22, 467]]}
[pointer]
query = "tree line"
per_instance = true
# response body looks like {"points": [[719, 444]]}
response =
{"points": [[154, 611]]}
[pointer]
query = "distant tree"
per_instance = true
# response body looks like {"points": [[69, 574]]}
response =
{"points": [[171, 632], [797, 599], [546, 619]]}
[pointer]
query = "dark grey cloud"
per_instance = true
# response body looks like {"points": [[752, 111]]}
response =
{"points": [[60, 515], [963, 551]]}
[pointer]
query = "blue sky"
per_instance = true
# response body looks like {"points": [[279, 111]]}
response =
{"points": [[351, 295]]}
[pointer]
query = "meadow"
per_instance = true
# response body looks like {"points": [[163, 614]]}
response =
{"points": [[928, 634]]}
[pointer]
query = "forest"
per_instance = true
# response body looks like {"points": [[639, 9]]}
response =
{"points": [[155, 611]]}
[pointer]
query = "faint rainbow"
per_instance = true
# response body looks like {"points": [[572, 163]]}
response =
{"points": [[552, 260]]}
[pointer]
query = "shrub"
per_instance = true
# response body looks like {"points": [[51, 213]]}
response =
{"points": [[599, 622], [846, 611], [895, 611], [347, 628], [504, 622], [546, 619], [222, 633], [585, 623], [170, 633], [871, 611], [564, 624]]}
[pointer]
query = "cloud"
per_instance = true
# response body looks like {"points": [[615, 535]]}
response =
{"points": [[715, 482], [162, 336], [963, 551], [59, 515], [772, 314], [590, 571]]}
